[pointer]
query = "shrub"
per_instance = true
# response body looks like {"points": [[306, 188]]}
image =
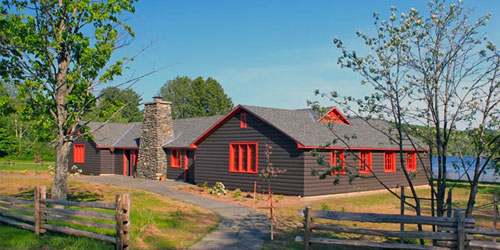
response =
{"points": [[237, 193], [205, 185], [325, 207], [218, 189], [76, 171]]}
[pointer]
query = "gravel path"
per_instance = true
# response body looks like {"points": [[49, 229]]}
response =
{"points": [[240, 227]]}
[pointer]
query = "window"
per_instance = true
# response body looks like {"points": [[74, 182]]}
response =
{"points": [[175, 158], [243, 157], [365, 162], [389, 162], [411, 161], [337, 160], [79, 153], [243, 120]]}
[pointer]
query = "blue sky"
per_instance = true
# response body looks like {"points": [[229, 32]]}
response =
{"points": [[264, 53]]}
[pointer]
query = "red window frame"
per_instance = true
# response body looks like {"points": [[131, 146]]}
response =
{"points": [[243, 120], [79, 153], [175, 158], [389, 162], [244, 157], [411, 161], [334, 159], [365, 162]]}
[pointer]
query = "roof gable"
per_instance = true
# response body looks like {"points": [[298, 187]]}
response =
{"points": [[334, 116], [233, 113]]}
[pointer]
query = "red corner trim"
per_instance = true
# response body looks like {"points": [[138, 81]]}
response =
{"points": [[229, 116], [185, 165], [335, 111], [124, 164]]}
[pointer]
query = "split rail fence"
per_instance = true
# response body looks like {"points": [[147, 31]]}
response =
{"points": [[475, 243], [44, 214], [452, 232]]}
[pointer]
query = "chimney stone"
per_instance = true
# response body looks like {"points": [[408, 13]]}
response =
{"points": [[157, 128]]}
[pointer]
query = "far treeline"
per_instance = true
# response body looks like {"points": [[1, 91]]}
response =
{"points": [[23, 137]]}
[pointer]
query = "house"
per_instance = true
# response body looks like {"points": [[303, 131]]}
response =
{"points": [[231, 149]]}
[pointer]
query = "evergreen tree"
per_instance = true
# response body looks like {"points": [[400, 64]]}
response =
{"points": [[196, 98], [116, 105]]}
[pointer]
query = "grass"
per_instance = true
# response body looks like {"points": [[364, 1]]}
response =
{"points": [[24, 166], [157, 222]]}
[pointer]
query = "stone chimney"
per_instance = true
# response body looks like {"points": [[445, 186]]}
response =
{"points": [[157, 128]]}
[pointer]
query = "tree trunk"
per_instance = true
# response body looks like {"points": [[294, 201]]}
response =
{"points": [[472, 199], [60, 184]]}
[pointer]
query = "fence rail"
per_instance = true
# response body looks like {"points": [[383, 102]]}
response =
{"points": [[39, 216], [456, 236]]}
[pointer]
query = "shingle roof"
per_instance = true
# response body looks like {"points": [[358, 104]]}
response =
{"points": [[299, 124], [186, 131], [107, 134], [127, 135], [302, 126]]}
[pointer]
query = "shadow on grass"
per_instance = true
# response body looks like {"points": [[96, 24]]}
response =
{"points": [[72, 196]]}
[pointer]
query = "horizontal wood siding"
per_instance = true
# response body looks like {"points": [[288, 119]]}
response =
{"points": [[118, 162], [212, 157], [107, 161], [174, 173], [315, 186], [92, 160]]}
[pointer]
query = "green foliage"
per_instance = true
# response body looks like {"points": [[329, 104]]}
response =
{"points": [[196, 98], [116, 105], [219, 189], [57, 53], [325, 207], [204, 185], [237, 193]]}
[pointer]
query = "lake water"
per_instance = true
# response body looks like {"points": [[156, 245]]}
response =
{"points": [[455, 171]]}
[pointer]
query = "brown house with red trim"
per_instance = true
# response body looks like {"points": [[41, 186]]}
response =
{"points": [[231, 149]]}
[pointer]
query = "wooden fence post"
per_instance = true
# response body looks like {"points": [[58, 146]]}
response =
{"points": [[43, 196], [307, 241], [495, 212], [460, 215], [403, 197], [448, 203], [37, 210], [40, 193], [123, 222]]}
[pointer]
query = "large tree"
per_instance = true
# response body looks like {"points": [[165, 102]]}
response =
{"points": [[196, 98], [437, 70], [57, 52], [116, 105]]}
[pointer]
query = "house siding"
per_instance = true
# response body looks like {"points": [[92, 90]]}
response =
{"points": [[315, 186], [107, 161], [174, 173], [92, 159], [118, 162], [212, 157]]}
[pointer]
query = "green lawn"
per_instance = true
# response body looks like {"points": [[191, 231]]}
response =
{"points": [[15, 238], [23, 166]]}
